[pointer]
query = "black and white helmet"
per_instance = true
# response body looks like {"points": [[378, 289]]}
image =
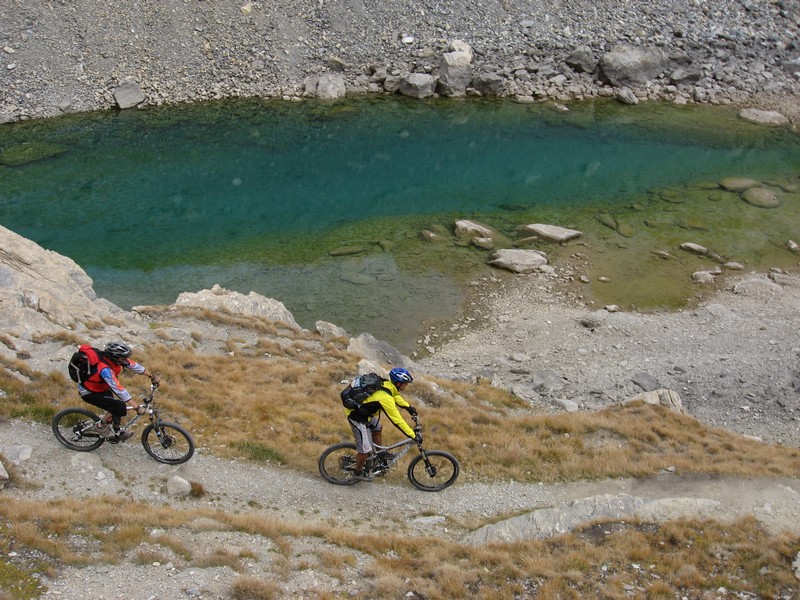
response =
{"points": [[119, 352]]}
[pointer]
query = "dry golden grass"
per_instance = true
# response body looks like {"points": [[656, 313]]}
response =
{"points": [[601, 560], [282, 392]]}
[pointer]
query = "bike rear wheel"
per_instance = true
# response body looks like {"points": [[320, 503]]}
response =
{"points": [[433, 471], [73, 428], [337, 463], [168, 443]]}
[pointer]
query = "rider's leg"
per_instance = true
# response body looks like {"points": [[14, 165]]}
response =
{"points": [[114, 407], [376, 430], [363, 438], [361, 461]]}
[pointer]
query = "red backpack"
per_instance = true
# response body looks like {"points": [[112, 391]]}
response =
{"points": [[85, 366]]}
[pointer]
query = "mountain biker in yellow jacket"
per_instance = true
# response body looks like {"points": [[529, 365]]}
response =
{"points": [[366, 423]]}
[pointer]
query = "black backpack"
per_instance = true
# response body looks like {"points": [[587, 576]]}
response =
{"points": [[361, 388], [80, 368]]}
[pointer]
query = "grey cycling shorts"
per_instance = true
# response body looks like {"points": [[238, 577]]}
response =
{"points": [[362, 432]]}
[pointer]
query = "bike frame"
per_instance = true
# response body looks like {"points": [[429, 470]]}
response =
{"points": [[404, 444], [150, 410]]}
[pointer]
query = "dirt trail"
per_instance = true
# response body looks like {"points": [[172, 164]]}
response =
{"points": [[233, 485]]}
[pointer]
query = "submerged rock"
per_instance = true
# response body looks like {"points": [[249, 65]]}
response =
{"points": [[764, 117], [17, 156], [738, 184], [761, 197], [694, 248], [551, 233], [607, 219]]}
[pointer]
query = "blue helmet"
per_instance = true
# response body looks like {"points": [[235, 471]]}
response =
{"points": [[398, 375]]}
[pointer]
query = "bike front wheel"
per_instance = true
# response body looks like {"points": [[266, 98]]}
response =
{"points": [[168, 443], [337, 463], [74, 429], [433, 471]]}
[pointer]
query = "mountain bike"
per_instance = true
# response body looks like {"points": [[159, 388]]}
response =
{"points": [[166, 442], [429, 471]]}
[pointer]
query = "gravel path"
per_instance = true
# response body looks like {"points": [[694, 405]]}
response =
{"points": [[241, 487]]}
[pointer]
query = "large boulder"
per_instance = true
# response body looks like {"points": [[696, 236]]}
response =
{"points": [[331, 86], [630, 65], [518, 261], [455, 72], [488, 84], [128, 94], [418, 85]]}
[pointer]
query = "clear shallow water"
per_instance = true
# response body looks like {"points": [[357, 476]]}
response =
{"points": [[255, 195]]}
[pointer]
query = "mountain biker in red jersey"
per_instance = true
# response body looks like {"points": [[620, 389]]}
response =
{"points": [[104, 390], [366, 424]]}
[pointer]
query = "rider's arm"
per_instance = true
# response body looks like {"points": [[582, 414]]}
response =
{"points": [[400, 401], [141, 370], [114, 385], [389, 405]]}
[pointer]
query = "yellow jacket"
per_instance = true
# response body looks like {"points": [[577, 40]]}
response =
{"points": [[387, 399]]}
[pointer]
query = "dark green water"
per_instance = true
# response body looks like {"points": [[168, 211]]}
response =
{"points": [[255, 195]]}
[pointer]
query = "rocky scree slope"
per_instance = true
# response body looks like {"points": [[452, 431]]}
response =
{"points": [[73, 56]]}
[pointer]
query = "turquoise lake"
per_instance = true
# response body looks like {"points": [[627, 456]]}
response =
{"points": [[260, 195]]}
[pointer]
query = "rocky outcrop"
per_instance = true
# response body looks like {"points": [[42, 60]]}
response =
{"points": [[221, 300], [44, 295], [548, 522], [48, 307]]}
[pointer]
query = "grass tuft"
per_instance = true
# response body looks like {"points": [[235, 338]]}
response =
{"points": [[250, 588]]}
